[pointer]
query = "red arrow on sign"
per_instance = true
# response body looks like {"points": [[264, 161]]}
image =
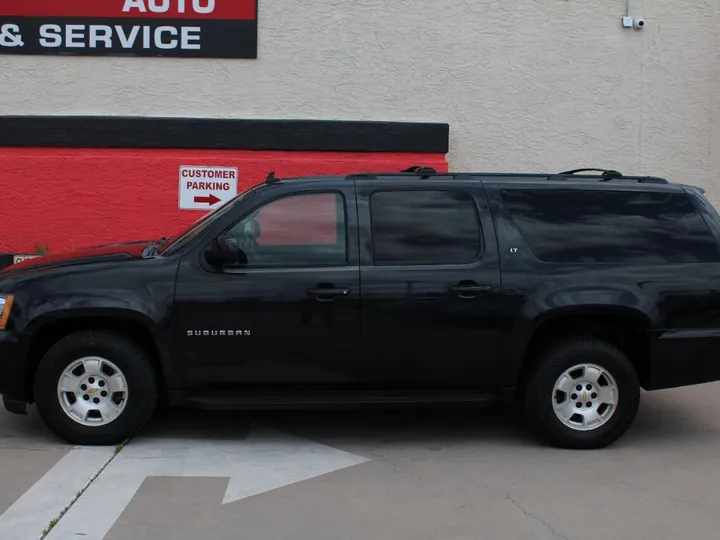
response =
{"points": [[210, 199]]}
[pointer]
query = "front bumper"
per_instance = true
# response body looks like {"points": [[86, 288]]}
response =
{"points": [[13, 381]]}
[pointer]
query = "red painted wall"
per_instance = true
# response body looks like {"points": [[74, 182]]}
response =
{"points": [[71, 198]]}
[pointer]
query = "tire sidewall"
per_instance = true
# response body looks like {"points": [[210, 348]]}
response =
{"points": [[129, 358], [540, 403]]}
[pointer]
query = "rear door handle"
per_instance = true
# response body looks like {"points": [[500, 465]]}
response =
{"points": [[327, 294], [470, 288]]}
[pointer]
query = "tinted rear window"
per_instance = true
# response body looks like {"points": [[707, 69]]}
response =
{"points": [[611, 226], [424, 227]]}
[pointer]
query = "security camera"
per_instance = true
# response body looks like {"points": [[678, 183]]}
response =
{"points": [[639, 24]]}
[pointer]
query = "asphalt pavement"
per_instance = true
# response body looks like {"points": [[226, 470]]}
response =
{"points": [[366, 476]]}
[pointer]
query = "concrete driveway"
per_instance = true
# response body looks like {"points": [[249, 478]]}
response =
{"points": [[396, 475]]}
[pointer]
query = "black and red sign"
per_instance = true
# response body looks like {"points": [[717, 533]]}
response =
{"points": [[177, 28]]}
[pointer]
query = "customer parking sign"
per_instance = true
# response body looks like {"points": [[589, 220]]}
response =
{"points": [[206, 188]]}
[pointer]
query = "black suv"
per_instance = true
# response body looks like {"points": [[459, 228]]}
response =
{"points": [[572, 291]]}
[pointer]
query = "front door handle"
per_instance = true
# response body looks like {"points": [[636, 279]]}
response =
{"points": [[469, 289], [327, 294]]}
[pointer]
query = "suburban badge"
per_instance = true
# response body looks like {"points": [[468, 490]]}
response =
{"points": [[225, 333]]}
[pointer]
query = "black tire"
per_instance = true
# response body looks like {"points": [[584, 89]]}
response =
{"points": [[552, 364], [129, 357]]}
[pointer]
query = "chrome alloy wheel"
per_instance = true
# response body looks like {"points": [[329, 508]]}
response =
{"points": [[585, 397], [92, 391]]}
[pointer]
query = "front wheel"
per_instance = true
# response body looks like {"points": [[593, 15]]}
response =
{"points": [[583, 394], [95, 388]]}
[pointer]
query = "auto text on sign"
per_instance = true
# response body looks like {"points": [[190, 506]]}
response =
{"points": [[206, 188], [186, 28]]}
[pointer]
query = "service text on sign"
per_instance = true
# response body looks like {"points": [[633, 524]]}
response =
{"points": [[96, 35]]}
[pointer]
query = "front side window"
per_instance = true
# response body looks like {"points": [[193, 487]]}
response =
{"points": [[177, 243], [424, 227], [611, 226], [299, 230]]}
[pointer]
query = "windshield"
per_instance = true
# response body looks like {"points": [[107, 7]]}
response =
{"points": [[178, 242]]}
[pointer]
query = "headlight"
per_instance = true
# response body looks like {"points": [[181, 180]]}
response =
{"points": [[6, 302]]}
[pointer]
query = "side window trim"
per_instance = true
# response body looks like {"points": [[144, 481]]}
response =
{"points": [[477, 257], [340, 226]]}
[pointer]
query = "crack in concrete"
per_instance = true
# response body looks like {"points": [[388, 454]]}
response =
{"points": [[658, 495], [55, 521], [395, 466], [508, 495], [549, 527], [29, 449]]}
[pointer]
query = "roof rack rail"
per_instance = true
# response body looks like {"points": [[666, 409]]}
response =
{"points": [[605, 173], [419, 169], [415, 170], [610, 174]]}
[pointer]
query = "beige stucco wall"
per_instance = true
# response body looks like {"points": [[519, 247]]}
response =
{"points": [[524, 84]]}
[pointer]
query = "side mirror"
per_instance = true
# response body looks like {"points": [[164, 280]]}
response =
{"points": [[225, 250]]}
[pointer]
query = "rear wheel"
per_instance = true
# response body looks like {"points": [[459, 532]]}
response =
{"points": [[95, 388], [584, 393]]}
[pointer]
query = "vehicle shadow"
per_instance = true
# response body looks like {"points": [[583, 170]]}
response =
{"points": [[665, 418]]}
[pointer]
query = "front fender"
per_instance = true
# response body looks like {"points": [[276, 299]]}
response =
{"points": [[99, 310], [37, 311]]}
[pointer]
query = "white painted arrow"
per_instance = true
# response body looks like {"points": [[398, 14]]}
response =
{"points": [[266, 460], [48, 497]]}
